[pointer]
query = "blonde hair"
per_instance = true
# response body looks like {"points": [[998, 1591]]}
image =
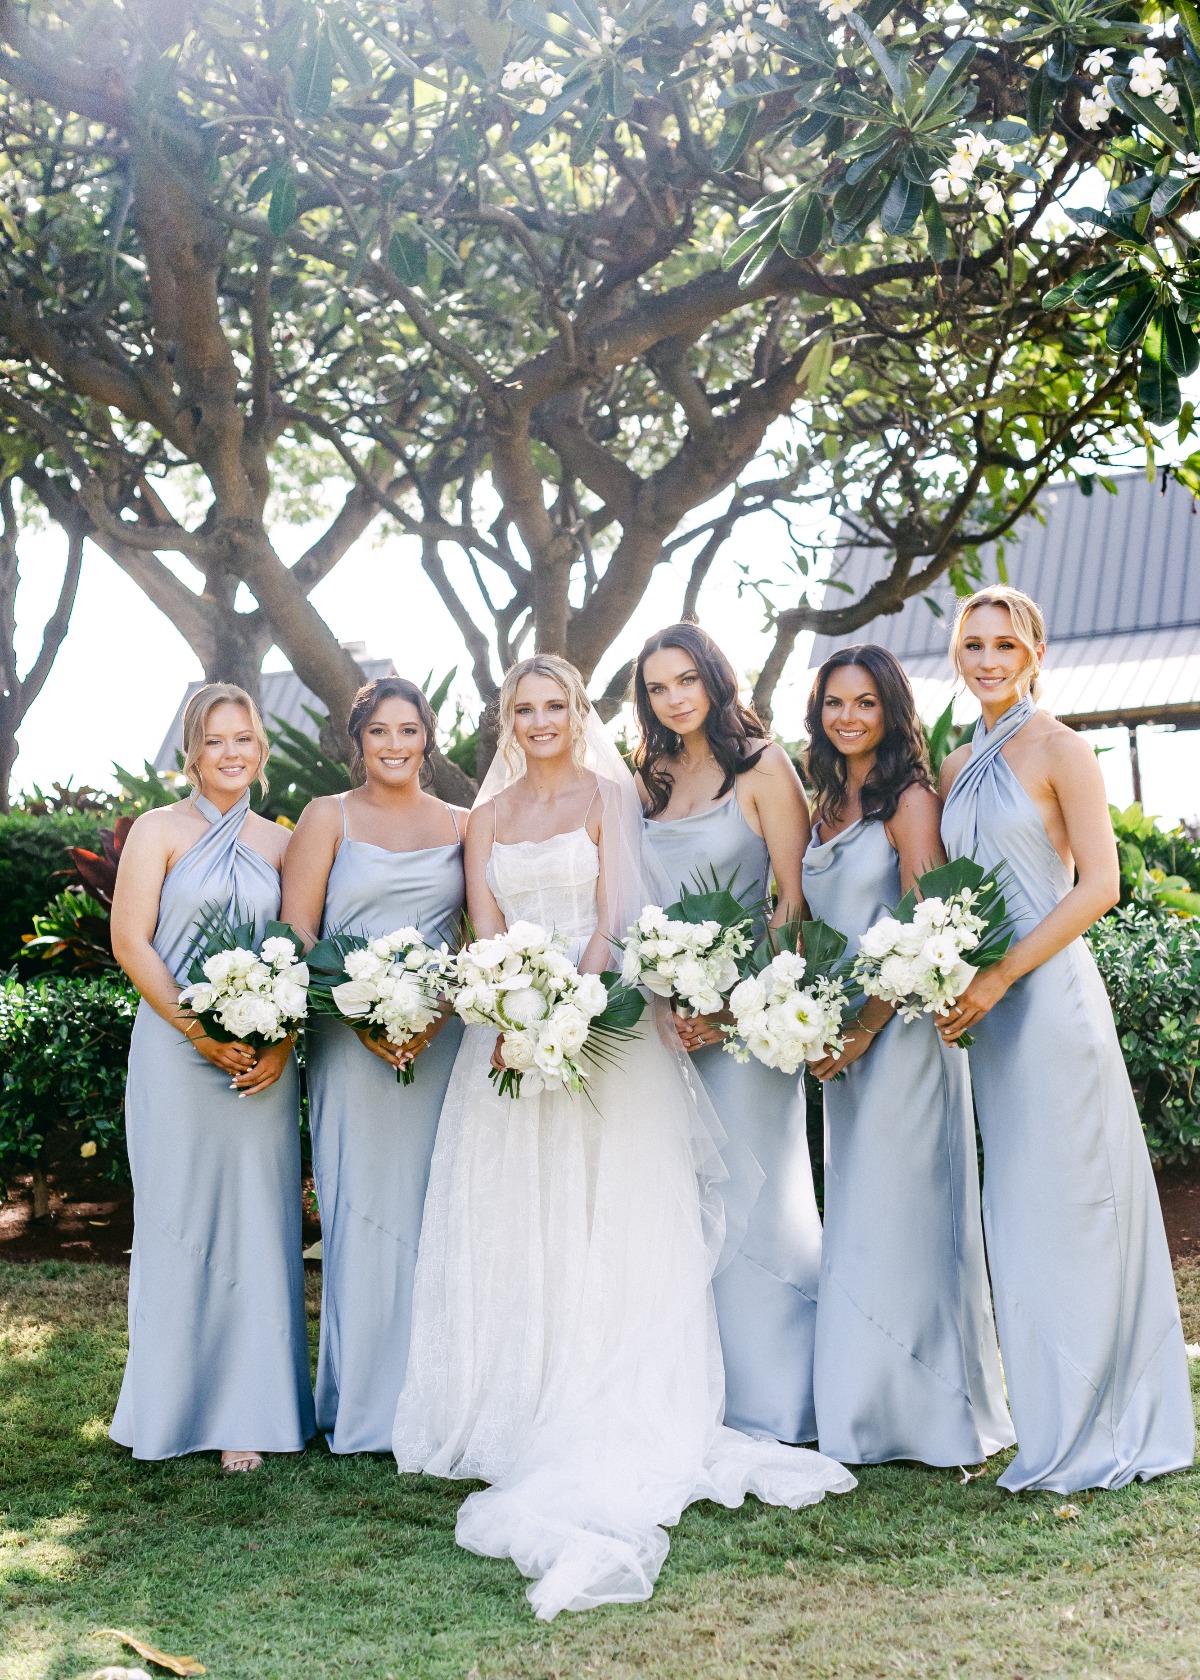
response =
{"points": [[1029, 626], [195, 726], [568, 679]]}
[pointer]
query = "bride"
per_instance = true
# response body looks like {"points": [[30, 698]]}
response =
{"points": [[564, 1344]]}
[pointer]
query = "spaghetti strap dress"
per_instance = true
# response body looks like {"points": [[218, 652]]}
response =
{"points": [[1085, 1300], [766, 1295], [218, 1348], [372, 1142], [906, 1359]]}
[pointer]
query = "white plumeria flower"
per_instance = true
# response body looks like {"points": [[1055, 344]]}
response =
{"points": [[700, 14], [552, 84], [992, 198], [722, 47], [1168, 98], [1147, 73], [1097, 63], [1191, 163], [1093, 113], [747, 41], [774, 14], [835, 10]]}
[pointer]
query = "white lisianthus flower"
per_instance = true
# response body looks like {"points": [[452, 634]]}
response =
{"points": [[591, 995], [571, 1027]]}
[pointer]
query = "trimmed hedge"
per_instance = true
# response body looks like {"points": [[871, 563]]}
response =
{"points": [[64, 1043], [35, 864], [1150, 964]]}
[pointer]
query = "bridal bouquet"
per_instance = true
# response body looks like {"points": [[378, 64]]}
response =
{"points": [[925, 955], [548, 1014], [241, 992], [693, 952], [394, 985], [789, 1008]]}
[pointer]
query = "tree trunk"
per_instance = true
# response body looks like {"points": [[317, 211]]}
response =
{"points": [[8, 757], [41, 1193]]}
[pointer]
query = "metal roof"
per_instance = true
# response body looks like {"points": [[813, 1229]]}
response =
{"points": [[1118, 578], [282, 699]]}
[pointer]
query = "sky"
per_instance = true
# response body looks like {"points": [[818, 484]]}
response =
{"points": [[122, 669]]}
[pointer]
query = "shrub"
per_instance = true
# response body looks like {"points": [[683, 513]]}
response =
{"points": [[1150, 963], [1158, 866], [35, 865], [64, 1044]]}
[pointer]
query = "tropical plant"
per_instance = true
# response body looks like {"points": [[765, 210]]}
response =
{"points": [[73, 931], [943, 737], [471, 256], [1151, 966], [35, 864], [1159, 869], [37, 802]]}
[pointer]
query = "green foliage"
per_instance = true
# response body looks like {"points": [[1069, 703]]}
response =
{"points": [[73, 932], [35, 865], [147, 789], [942, 738], [300, 768], [1159, 867], [64, 1044], [1150, 964]]}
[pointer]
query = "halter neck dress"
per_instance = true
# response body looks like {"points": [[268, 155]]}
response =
{"points": [[1085, 1300], [218, 1348], [906, 1359], [766, 1295], [372, 1141]]}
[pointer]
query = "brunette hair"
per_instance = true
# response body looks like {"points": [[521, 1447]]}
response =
{"points": [[368, 701], [737, 737], [568, 679], [195, 726], [1029, 626], [902, 759]]}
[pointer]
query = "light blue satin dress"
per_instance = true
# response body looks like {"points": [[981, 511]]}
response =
{"points": [[1085, 1300], [906, 1359], [766, 1295], [218, 1350], [372, 1141]]}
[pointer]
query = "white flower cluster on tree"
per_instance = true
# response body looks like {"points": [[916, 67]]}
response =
{"points": [[957, 178], [394, 983], [696, 964], [920, 966], [523, 983], [257, 996], [783, 1023]]}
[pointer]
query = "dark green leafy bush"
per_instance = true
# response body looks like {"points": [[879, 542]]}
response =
{"points": [[35, 865], [64, 1043], [1150, 963]]}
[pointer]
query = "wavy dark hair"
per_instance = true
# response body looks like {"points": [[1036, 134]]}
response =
{"points": [[736, 735], [902, 758], [368, 701]]}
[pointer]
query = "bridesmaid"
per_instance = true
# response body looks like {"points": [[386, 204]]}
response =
{"points": [[384, 856], [719, 795], [906, 1360], [1085, 1301], [218, 1350]]}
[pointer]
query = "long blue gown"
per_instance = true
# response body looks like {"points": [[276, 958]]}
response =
{"points": [[372, 1141], [906, 1359], [766, 1296], [218, 1350], [1085, 1300]]}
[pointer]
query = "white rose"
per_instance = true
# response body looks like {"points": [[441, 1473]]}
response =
{"points": [[219, 967], [591, 995], [571, 1027], [291, 1000], [750, 995], [880, 938], [516, 1051]]}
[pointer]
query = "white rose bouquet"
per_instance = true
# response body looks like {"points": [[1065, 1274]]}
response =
{"points": [[394, 985], [790, 1007], [693, 952], [243, 991], [925, 955], [549, 1015]]}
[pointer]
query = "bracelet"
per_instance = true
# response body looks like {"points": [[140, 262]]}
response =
{"points": [[187, 1031], [861, 1026]]}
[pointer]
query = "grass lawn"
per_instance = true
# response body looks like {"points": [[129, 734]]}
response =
{"points": [[319, 1567]]}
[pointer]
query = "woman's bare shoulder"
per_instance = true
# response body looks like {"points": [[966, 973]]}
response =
{"points": [[269, 838], [951, 765]]}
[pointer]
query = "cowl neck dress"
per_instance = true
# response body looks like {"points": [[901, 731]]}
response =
{"points": [[1085, 1299]]}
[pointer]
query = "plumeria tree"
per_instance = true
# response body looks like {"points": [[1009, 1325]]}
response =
{"points": [[570, 293]]}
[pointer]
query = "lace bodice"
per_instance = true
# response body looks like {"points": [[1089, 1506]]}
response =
{"points": [[552, 882]]}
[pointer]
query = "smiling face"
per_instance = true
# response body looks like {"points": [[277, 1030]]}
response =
{"points": [[676, 690], [229, 757], [393, 743], [541, 717], [852, 714], [995, 664]]}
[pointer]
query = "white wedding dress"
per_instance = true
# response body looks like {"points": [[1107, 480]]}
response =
{"points": [[564, 1343]]}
